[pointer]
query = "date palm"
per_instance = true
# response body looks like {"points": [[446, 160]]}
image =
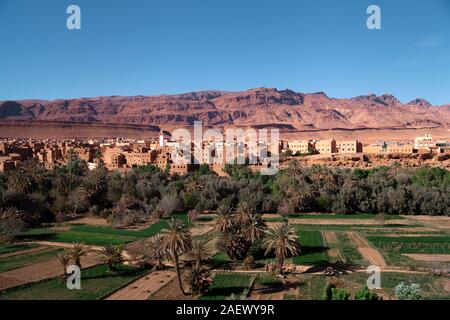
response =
{"points": [[243, 213], [199, 252], [255, 228], [177, 241], [282, 239], [154, 253], [197, 279], [112, 256], [75, 252], [224, 220]]}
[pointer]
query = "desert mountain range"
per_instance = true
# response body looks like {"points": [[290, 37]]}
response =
{"points": [[285, 109]]}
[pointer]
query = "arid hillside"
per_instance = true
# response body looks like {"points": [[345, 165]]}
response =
{"points": [[290, 111]]}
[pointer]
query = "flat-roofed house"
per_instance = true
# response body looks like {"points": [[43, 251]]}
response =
{"points": [[326, 146], [301, 146], [349, 146]]}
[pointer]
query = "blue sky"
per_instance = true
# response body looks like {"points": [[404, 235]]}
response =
{"points": [[152, 47]]}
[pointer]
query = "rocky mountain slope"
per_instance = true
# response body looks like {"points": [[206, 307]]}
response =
{"points": [[257, 107]]}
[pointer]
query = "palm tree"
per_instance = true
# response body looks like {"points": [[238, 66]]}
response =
{"points": [[112, 256], [154, 253], [224, 220], [199, 252], [197, 279], [243, 213], [255, 228], [283, 240], [75, 252], [193, 186], [177, 240]]}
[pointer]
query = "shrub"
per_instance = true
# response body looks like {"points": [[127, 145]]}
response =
{"points": [[404, 291], [366, 294], [168, 205], [328, 294], [339, 294]]}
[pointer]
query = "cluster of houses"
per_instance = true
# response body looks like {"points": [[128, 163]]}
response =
{"points": [[424, 144], [123, 154]]}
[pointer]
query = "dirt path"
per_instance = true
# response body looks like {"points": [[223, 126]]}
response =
{"points": [[330, 237], [201, 229], [42, 270], [429, 257], [67, 245], [171, 291], [370, 254], [144, 287]]}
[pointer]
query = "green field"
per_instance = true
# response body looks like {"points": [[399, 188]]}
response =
{"points": [[22, 260], [348, 251], [426, 244], [313, 249], [17, 247], [356, 216], [95, 235], [96, 283], [225, 284]]}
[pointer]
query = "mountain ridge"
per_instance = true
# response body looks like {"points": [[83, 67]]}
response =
{"points": [[254, 107]]}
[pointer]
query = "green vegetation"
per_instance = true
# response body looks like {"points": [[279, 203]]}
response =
{"points": [[19, 261], [348, 251], [95, 235], [268, 280], [145, 233], [358, 216], [224, 285], [313, 249], [96, 284], [69, 236], [426, 244], [17, 247], [220, 259]]}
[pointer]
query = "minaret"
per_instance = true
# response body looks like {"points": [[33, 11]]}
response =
{"points": [[161, 139]]}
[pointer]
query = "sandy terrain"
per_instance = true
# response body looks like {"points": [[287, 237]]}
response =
{"points": [[373, 256], [330, 237], [440, 222], [201, 229], [171, 291], [370, 254], [144, 287], [429, 257], [42, 270], [91, 221], [447, 285]]}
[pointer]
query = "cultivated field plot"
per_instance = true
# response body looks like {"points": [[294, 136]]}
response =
{"points": [[96, 235], [227, 284], [97, 283], [401, 245], [413, 244]]}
